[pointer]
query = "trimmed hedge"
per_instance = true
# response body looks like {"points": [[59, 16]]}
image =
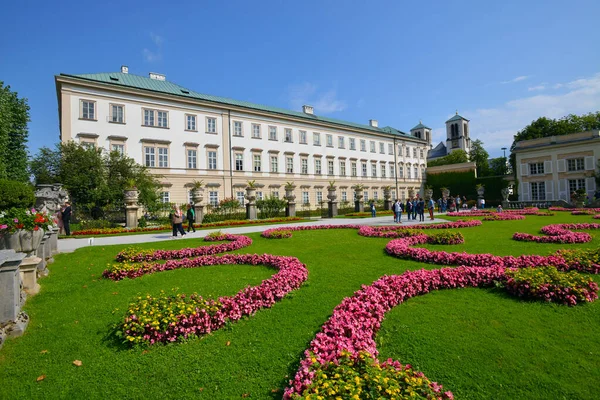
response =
{"points": [[15, 194], [462, 183]]}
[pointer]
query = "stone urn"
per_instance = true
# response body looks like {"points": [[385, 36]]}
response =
{"points": [[331, 193], [411, 193], [197, 195], [480, 191], [250, 195], [22, 241], [358, 194], [387, 193], [428, 193], [359, 205], [131, 197], [289, 193], [445, 192]]}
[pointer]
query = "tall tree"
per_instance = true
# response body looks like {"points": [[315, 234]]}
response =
{"points": [[480, 157], [456, 157], [14, 116], [498, 166]]}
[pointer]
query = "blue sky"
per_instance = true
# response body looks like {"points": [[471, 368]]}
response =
{"points": [[500, 64]]}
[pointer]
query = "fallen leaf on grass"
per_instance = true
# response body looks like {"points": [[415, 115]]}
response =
{"points": [[274, 390], [246, 395], [43, 351], [228, 343], [145, 352], [115, 292], [40, 378], [84, 286], [77, 363], [201, 389]]}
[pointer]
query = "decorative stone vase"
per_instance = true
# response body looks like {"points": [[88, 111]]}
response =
{"points": [[198, 195], [23, 241], [445, 193], [331, 193], [480, 191], [387, 193], [411, 193], [359, 194], [289, 194], [428, 193], [131, 197], [504, 192], [250, 195]]}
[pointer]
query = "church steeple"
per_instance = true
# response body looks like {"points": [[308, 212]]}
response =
{"points": [[457, 134], [422, 132]]}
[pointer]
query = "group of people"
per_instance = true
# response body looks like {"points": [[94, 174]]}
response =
{"points": [[63, 219], [413, 208], [177, 218], [452, 203]]}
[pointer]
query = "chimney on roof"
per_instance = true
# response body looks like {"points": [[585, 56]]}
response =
{"points": [[374, 123], [308, 109], [156, 76], [124, 69]]}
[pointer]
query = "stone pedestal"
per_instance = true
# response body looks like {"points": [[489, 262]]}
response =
{"points": [[332, 209], [199, 211], [131, 216], [54, 241], [41, 254], [48, 248], [290, 209], [12, 321], [359, 206], [28, 270], [387, 205], [251, 211]]}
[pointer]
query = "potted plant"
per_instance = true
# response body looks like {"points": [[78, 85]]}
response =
{"points": [[23, 230], [251, 191], [289, 191]]}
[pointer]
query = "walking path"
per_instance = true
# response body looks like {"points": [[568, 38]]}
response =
{"points": [[72, 244]]}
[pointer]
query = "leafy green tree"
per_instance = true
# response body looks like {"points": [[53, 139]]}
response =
{"points": [[479, 156], [498, 166], [270, 206], [45, 166], [14, 116], [456, 157]]}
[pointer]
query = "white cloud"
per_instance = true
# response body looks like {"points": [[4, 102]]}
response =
{"points": [[156, 54], [496, 126], [308, 93], [517, 79], [536, 88]]}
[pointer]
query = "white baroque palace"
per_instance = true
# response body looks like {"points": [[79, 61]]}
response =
{"points": [[185, 136], [552, 168]]}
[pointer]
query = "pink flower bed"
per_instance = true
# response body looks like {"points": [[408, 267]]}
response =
{"points": [[235, 242], [503, 217], [559, 233], [355, 322], [269, 232], [594, 210], [583, 212], [292, 273]]}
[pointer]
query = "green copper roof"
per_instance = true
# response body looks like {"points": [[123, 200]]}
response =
{"points": [[420, 126], [144, 83], [457, 118]]}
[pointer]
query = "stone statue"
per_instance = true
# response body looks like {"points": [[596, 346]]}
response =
{"points": [[50, 197]]}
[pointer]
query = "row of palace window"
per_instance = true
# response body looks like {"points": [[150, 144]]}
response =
{"points": [[159, 118], [213, 196], [538, 189], [573, 164]]}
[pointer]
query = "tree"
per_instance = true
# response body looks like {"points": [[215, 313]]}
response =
{"points": [[498, 166], [480, 157], [456, 157], [545, 127], [14, 116], [71, 163]]}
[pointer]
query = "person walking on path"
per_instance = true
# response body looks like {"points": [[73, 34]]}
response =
{"points": [[191, 217], [177, 221], [421, 209], [373, 210], [458, 203], [408, 209], [430, 207], [66, 218], [414, 207]]}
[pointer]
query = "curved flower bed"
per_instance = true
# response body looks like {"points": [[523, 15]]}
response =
{"points": [[278, 234], [143, 325], [235, 242], [548, 284], [594, 210], [583, 212], [559, 233], [503, 217], [355, 322]]}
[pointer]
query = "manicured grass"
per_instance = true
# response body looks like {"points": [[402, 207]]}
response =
{"points": [[478, 343]]}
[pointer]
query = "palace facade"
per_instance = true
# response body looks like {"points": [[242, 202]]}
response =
{"points": [[185, 136]]}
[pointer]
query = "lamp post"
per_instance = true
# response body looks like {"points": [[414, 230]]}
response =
{"points": [[504, 151]]}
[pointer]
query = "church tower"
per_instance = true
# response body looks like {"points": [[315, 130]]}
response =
{"points": [[457, 134], [422, 132]]}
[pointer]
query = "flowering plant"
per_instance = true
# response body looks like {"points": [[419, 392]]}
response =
{"points": [[278, 234], [559, 233], [503, 217], [363, 377], [548, 284], [30, 220]]}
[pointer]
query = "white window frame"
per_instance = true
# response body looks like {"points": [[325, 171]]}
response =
{"points": [[85, 107], [274, 163], [163, 156], [289, 164], [191, 121], [342, 168], [238, 158], [341, 143], [372, 146], [192, 158], [304, 165], [256, 134], [302, 137], [316, 139], [330, 167], [318, 169], [257, 162], [117, 117], [211, 159], [211, 125], [363, 145], [573, 164], [288, 135], [381, 148], [329, 140], [272, 132], [238, 128], [352, 143]]}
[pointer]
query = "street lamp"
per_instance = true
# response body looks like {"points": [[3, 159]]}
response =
{"points": [[504, 151]]}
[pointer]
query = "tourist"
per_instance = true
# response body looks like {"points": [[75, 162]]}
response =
{"points": [[59, 221], [408, 208], [191, 217], [464, 203], [439, 204], [430, 207], [482, 204], [499, 209], [399, 209], [421, 209], [444, 204], [177, 221], [66, 218], [373, 210], [458, 202], [414, 207]]}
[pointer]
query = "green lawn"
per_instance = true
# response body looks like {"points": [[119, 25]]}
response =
{"points": [[478, 343]]}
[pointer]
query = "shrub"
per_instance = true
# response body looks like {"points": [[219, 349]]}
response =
{"points": [[15, 194], [142, 222], [97, 224]]}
